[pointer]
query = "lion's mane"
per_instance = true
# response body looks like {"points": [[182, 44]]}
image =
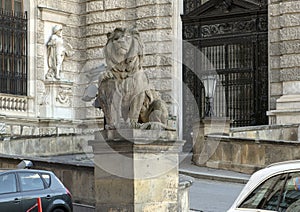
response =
{"points": [[133, 58]]}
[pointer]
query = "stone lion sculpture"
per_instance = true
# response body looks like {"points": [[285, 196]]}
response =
{"points": [[124, 92]]}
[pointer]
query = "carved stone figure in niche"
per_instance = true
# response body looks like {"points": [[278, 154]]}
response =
{"points": [[57, 50], [124, 92]]}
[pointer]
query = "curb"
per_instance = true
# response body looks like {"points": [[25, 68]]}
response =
{"points": [[207, 176]]}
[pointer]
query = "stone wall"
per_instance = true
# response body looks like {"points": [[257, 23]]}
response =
{"points": [[284, 59], [69, 15], [244, 154], [85, 25], [79, 179], [52, 145], [268, 132]]}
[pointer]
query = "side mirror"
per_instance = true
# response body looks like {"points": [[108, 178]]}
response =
{"points": [[25, 164]]}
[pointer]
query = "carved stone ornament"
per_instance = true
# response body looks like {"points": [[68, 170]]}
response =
{"points": [[124, 92], [2, 128], [63, 95], [57, 49]]}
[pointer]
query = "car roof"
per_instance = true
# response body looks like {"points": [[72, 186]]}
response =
{"points": [[289, 162], [258, 177], [24, 170]]}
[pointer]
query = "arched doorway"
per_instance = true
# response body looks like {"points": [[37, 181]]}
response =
{"points": [[232, 36]]}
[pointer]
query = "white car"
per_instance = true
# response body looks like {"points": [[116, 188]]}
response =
{"points": [[274, 188]]}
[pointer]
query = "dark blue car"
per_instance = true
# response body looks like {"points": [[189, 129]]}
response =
{"points": [[21, 188]]}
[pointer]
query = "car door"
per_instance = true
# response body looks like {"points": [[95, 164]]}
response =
{"points": [[10, 197], [280, 193], [33, 187]]}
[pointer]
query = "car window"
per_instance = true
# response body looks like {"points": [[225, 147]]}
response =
{"points": [[279, 193], [46, 178], [30, 181], [265, 196], [8, 183], [291, 195]]}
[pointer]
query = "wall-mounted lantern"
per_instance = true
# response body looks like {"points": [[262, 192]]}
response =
{"points": [[209, 83]]}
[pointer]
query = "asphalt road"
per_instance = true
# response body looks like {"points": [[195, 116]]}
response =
{"points": [[205, 195], [213, 196]]}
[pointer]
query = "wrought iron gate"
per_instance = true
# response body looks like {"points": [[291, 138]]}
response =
{"points": [[231, 39]]}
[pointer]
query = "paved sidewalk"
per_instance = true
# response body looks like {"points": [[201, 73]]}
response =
{"points": [[186, 167]]}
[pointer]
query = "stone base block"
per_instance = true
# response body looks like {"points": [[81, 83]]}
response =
{"points": [[287, 110], [202, 150], [136, 174], [136, 134]]}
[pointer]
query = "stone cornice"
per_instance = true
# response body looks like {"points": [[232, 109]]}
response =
{"points": [[50, 14]]}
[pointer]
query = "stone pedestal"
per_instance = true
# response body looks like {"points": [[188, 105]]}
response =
{"points": [[202, 150], [287, 110], [135, 173], [57, 100]]}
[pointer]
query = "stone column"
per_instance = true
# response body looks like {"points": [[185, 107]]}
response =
{"points": [[136, 170], [284, 58], [202, 150]]}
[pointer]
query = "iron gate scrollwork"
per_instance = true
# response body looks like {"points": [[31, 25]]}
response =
{"points": [[232, 36]]}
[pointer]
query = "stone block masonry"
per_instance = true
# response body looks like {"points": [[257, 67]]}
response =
{"points": [[284, 57]]}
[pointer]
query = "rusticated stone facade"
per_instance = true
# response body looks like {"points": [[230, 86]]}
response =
{"points": [[284, 60], [85, 24]]}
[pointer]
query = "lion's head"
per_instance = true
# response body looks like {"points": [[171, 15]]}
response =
{"points": [[123, 50]]}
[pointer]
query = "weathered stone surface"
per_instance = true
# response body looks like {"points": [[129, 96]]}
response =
{"points": [[274, 62], [93, 54], [290, 47], [154, 11], [106, 16], [154, 175], [289, 20], [151, 2], [159, 72], [275, 76], [274, 10], [288, 61], [94, 6], [158, 47], [290, 33], [163, 84], [112, 4], [96, 41], [154, 23], [275, 49], [290, 7], [290, 88], [158, 60], [275, 23], [156, 35], [274, 35], [248, 155], [95, 29], [292, 74], [147, 135], [273, 102], [276, 88]]}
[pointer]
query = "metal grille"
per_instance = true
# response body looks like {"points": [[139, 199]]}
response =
{"points": [[235, 91], [13, 52], [232, 38]]}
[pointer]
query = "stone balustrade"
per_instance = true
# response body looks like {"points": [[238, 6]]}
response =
{"points": [[13, 103]]}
